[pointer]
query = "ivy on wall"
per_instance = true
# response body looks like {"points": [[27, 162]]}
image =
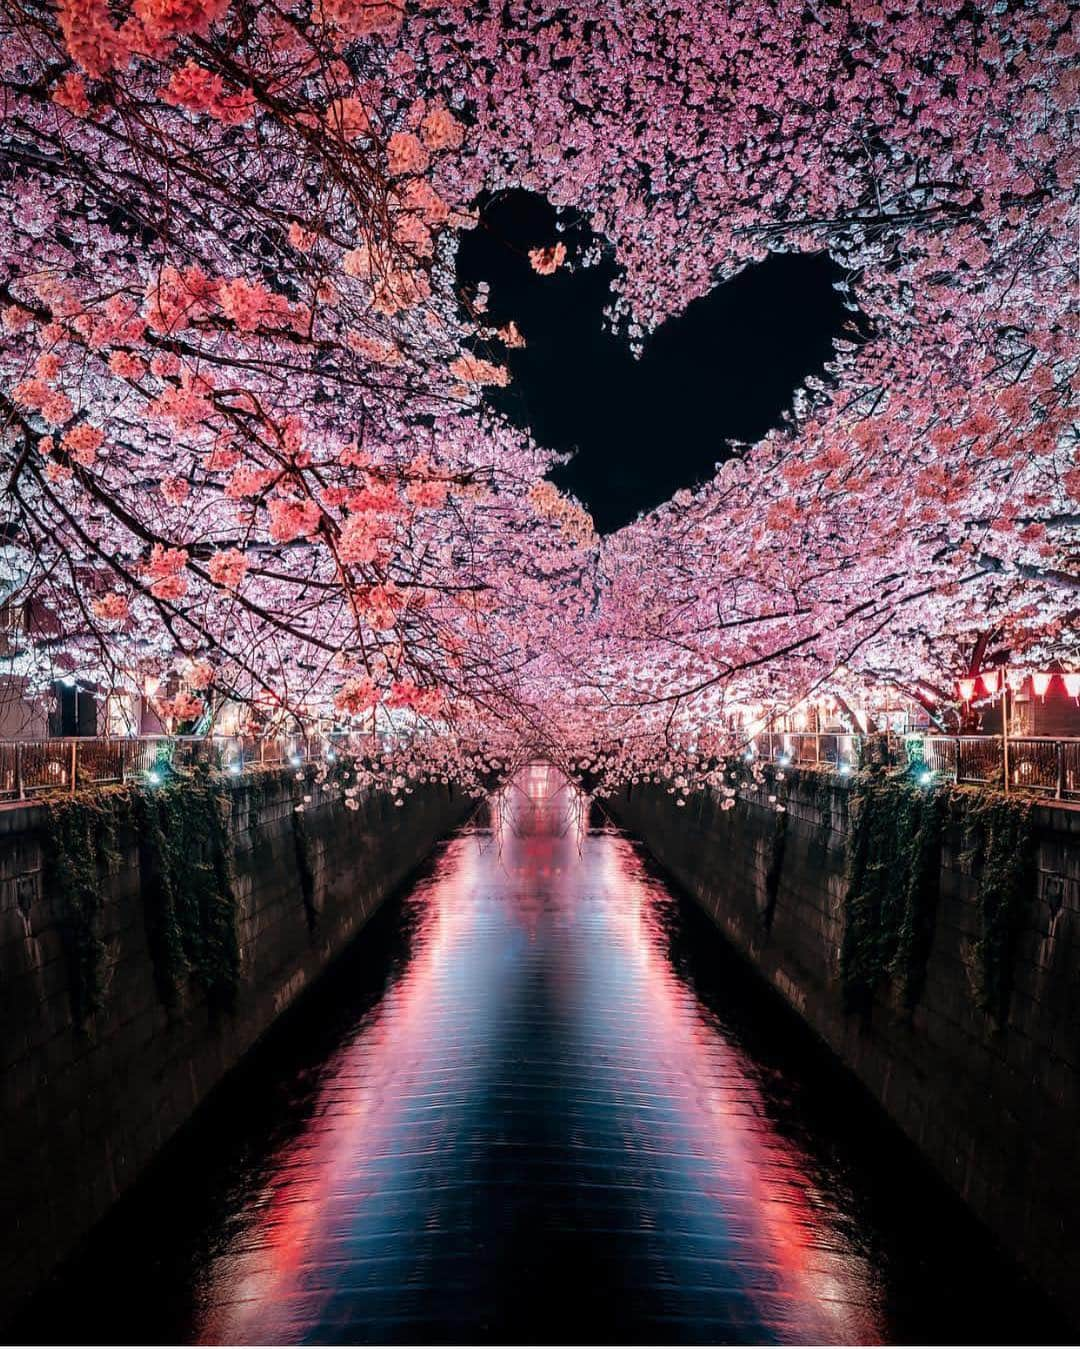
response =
{"points": [[305, 866], [188, 889], [1000, 847], [181, 831], [891, 887], [80, 850], [778, 845], [892, 878]]}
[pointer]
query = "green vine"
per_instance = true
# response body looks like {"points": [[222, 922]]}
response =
{"points": [[776, 866], [891, 893], [892, 880], [80, 849], [188, 888], [1003, 853], [185, 857], [302, 843]]}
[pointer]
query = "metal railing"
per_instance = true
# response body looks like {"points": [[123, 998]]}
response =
{"points": [[1045, 765], [837, 748], [29, 768]]}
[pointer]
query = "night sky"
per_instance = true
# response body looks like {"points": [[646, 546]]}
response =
{"points": [[726, 368]]}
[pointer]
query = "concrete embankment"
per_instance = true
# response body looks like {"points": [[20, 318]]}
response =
{"points": [[936, 951], [145, 944]]}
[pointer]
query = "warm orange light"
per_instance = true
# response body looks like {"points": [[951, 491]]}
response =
{"points": [[967, 689]]}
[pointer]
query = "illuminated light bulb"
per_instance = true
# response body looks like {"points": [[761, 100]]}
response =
{"points": [[154, 778], [295, 760], [235, 768], [1040, 683], [925, 778], [967, 689], [843, 769]]}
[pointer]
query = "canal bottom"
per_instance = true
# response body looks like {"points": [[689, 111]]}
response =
{"points": [[540, 1101]]}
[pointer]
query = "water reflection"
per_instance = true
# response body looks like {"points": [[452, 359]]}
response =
{"points": [[542, 1121]]}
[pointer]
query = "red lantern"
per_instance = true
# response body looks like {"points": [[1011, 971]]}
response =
{"points": [[991, 681], [967, 689], [1072, 684], [1015, 680], [1040, 683]]}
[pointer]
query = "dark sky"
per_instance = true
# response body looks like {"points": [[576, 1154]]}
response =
{"points": [[724, 368]]}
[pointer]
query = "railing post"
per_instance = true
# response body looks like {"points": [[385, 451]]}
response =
{"points": [[123, 761], [20, 786], [74, 763], [1060, 789]]}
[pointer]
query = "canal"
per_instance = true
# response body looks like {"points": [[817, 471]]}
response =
{"points": [[540, 1101]]}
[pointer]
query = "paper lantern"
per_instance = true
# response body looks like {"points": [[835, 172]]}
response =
{"points": [[1015, 680], [1072, 684], [967, 689], [1040, 683], [991, 681]]}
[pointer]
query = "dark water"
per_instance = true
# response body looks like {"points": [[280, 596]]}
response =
{"points": [[541, 1102]]}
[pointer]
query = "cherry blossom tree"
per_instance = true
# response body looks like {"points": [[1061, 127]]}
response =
{"points": [[244, 432]]}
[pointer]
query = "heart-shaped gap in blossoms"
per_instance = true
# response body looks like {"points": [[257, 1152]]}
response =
{"points": [[639, 430]]}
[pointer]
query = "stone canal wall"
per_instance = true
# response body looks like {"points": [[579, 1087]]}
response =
{"points": [[967, 1028], [120, 1009]]}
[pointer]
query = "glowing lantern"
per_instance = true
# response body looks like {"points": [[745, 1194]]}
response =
{"points": [[991, 681], [1072, 684], [1015, 680], [967, 689], [1040, 683]]}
